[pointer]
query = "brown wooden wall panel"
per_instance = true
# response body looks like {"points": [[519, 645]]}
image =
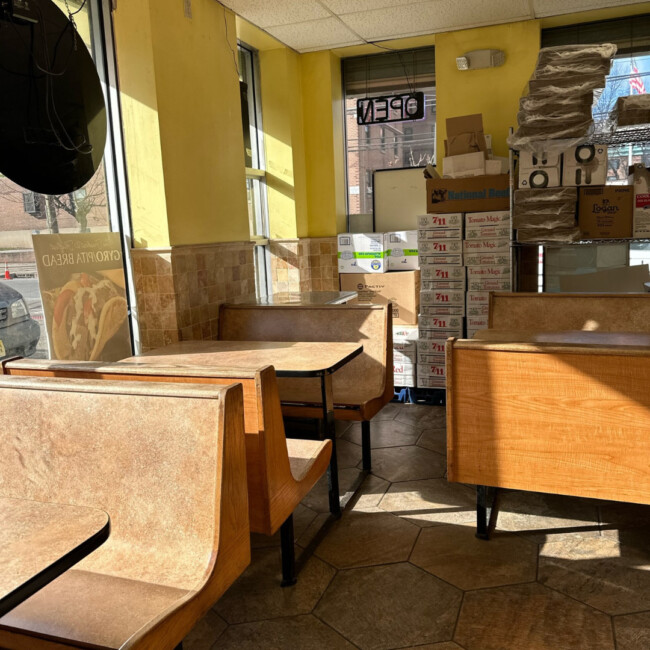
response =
{"points": [[569, 423]]}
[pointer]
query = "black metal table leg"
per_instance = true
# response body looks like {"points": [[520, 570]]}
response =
{"points": [[486, 511], [330, 433], [365, 445], [288, 553]]}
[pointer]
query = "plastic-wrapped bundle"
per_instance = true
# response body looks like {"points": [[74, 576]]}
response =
{"points": [[631, 110], [552, 120], [546, 210], [538, 198], [572, 68], [544, 234], [572, 54], [538, 142], [565, 86], [556, 104], [537, 220]]}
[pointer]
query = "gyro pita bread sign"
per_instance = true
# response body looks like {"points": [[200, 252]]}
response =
{"points": [[82, 284]]}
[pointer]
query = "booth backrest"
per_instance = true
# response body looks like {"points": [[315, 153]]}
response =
{"points": [[166, 462], [267, 461], [369, 325], [605, 312]]}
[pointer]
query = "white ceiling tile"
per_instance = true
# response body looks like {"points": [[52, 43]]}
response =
{"points": [[315, 34], [558, 7], [341, 7], [435, 16], [279, 12]]}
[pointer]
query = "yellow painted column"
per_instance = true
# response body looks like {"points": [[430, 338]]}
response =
{"points": [[322, 104], [182, 122], [494, 92]]}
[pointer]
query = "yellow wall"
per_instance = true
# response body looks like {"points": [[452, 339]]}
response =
{"points": [[182, 122], [494, 92]]}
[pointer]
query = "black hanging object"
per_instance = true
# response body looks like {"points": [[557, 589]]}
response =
{"points": [[52, 111]]}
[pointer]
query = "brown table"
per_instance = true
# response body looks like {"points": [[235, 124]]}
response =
{"points": [[308, 359], [40, 541], [302, 298]]}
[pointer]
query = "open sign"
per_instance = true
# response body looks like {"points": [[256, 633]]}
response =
{"points": [[394, 108]]}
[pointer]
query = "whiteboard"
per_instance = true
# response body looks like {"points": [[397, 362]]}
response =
{"points": [[400, 196]]}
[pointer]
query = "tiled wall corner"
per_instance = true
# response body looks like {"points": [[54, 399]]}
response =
{"points": [[179, 290], [308, 264]]}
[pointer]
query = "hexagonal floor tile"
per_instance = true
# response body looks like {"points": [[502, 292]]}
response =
{"points": [[388, 412], [530, 616], [366, 539], [632, 632], [205, 633], [390, 607], [347, 453], [370, 493], [422, 416], [431, 502], [599, 572], [638, 538], [304, 632], [318, 497], [407, 464], [547, 517], [454, 554], [434, 440], [385, 433], [624, 515], [302, 518], [257, 594]]}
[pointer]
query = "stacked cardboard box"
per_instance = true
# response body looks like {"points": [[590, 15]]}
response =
{"points": [[442, 298], [486, 250], [405, 355]]}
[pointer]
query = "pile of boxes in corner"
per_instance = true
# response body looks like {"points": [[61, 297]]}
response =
{"points": [[462, 248], [562, 194]]}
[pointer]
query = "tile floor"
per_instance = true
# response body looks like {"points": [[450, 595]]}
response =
{"points": [[402, 568]]}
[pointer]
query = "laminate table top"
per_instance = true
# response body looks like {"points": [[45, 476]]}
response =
{"points": [[40, 541], [304, 298], [290, 359]]}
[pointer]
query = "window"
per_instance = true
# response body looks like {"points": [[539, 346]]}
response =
{"points": [[254, 154], [100, 206], [399, 144]]}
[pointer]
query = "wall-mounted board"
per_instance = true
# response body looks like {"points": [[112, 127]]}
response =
{"points": [[399, 197]]}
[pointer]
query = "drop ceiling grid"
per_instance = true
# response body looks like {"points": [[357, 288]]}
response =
{"points": [[315, 34], [544, 8]]}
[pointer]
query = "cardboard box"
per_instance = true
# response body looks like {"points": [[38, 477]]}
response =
{"points": [[477, 246], [432, 285], [441, 322], [479, 272], [443, 272], [491, 218], [493, 167], [404, 374], [477, 194], [440, 259], [427, 359], [487, 259], [404, 381], [539, 170], [401, 250], [445, 246], [361, 253], [605, 212], [402, 289], [465, 135], [585, 165], [464, 165], [432, 382], [489, 284], [477, 323], [640, 179], [432, 346], [448, 221], [500, 231], [426, 370], [477, 298], [404, 352], [405, 333], [440, 335], [432, 234], [442, 310], [442, 297]]}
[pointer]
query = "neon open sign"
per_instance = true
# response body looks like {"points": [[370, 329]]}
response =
{"points": [[393, 108]]}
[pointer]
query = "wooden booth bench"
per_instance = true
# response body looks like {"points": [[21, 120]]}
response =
{"points": [[360, 389], [280, 471], [167, 463], [553, 398]]}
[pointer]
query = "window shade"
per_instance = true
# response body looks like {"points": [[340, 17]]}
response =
{"points": [[631, 34], [394, 71]]}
